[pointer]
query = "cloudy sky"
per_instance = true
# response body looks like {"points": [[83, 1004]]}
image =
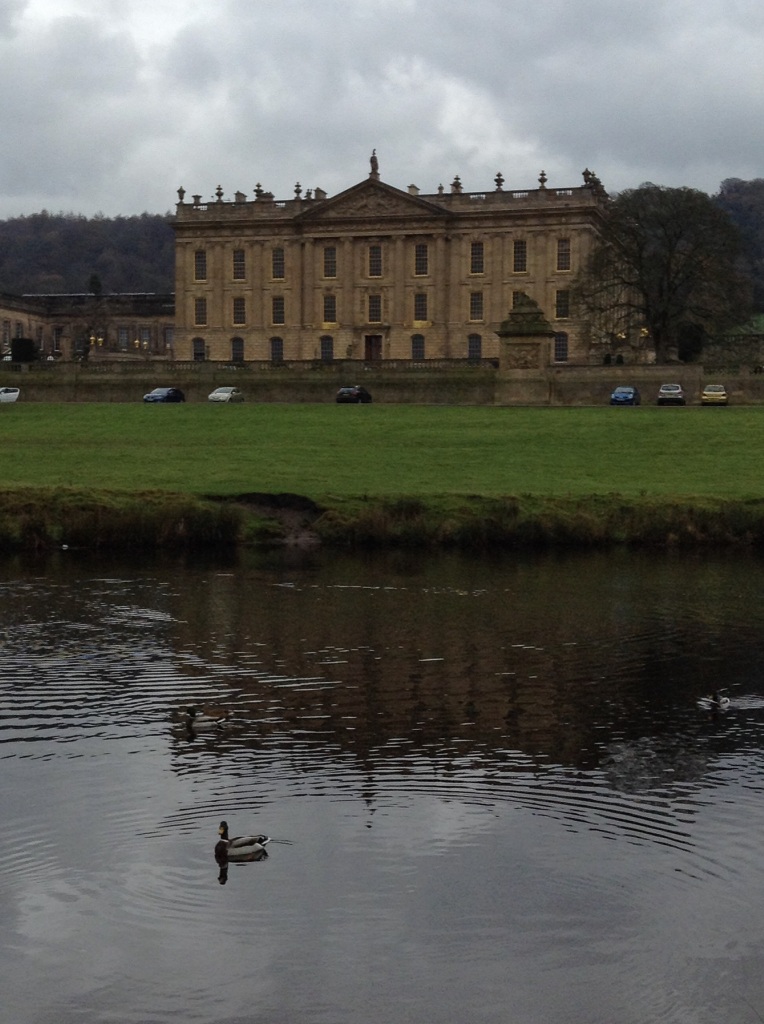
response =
{"points": [[109, 106]]}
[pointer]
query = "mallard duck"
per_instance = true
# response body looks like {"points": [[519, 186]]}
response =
{"points": [[205, 717], [715, 702], [240, 847]]}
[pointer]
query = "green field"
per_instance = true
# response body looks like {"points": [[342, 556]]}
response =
{"points": [[384, 450]]}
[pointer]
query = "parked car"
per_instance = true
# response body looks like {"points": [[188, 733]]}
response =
{"points": [[165, 395], [355, 395], [671, 394], [625, 395], [9, 394], [714, 394], [226, 395]]}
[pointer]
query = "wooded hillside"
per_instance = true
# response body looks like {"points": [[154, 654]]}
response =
{"points": [[744, 202], [50, 253]]}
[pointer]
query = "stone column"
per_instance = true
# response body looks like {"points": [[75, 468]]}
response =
{"points": [[525, 336]]}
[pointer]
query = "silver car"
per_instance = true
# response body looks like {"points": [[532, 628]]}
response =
{"points": [[226, 395], [671, 394]]}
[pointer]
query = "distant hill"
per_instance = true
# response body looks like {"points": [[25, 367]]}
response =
{"points": [[64, 253]]}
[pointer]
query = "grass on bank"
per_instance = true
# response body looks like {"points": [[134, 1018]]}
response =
{"points": [[347, 451], [121, 476]]}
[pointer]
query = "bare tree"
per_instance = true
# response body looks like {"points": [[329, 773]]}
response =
{"points": [[666, 268]]}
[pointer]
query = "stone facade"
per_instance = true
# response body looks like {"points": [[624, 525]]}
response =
{"points": [[377, 272], [68, 326]]}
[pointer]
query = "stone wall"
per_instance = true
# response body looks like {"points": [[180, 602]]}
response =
{"points": [[482, 385]]}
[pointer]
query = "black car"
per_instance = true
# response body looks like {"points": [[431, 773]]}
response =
{"points": [[354, 395], [165, 395]]}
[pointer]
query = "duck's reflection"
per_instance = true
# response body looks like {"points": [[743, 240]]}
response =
{"points": [[223, 862]]}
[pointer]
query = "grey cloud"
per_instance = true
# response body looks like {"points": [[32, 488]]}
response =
{"points": [[665, 90]]}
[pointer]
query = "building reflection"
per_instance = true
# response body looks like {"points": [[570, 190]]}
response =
{"points": [[452, 657]]}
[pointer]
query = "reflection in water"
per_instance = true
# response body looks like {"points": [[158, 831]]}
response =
{"points": [[494, 785]]}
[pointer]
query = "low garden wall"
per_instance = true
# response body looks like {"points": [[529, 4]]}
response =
{"points": [[436, 383]]}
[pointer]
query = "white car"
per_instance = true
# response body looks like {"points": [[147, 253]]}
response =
{"points": [[9, 394], [226, 395], [671, 394]]}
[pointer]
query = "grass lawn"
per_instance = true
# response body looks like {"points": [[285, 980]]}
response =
{"points": [[343, 451]]}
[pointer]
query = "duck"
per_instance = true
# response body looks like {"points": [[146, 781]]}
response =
{"points": [[240, 848], [205, 717], [715, 702]]}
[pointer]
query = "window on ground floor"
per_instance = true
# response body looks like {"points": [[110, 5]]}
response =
{"points": [[561, 347], [417, 346], [237, 350], [474, 347], [327, 348], [199, 350], [277, 350]]}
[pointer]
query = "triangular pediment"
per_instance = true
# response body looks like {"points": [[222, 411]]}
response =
{"points": [[371, 199]]}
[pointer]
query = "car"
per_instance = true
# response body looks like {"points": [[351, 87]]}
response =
{"points": [[671, 394], [226, 395], [625, 395], [353, 395], [714, 394], [165, 395], [9, 394]]}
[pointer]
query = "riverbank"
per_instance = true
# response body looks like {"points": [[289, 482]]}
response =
{"points": [[46, 519]]}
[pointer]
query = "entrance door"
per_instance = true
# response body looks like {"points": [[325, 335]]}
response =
{"points": [[372, 347]]}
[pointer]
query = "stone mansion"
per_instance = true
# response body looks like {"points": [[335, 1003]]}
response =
{"points": [[373, 273], [377, 272]]}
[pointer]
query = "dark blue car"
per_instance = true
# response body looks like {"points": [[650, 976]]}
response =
{"points": [[165, 395], [625, 396]]}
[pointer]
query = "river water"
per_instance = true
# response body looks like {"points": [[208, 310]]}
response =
{"points": [[492, 794]]}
